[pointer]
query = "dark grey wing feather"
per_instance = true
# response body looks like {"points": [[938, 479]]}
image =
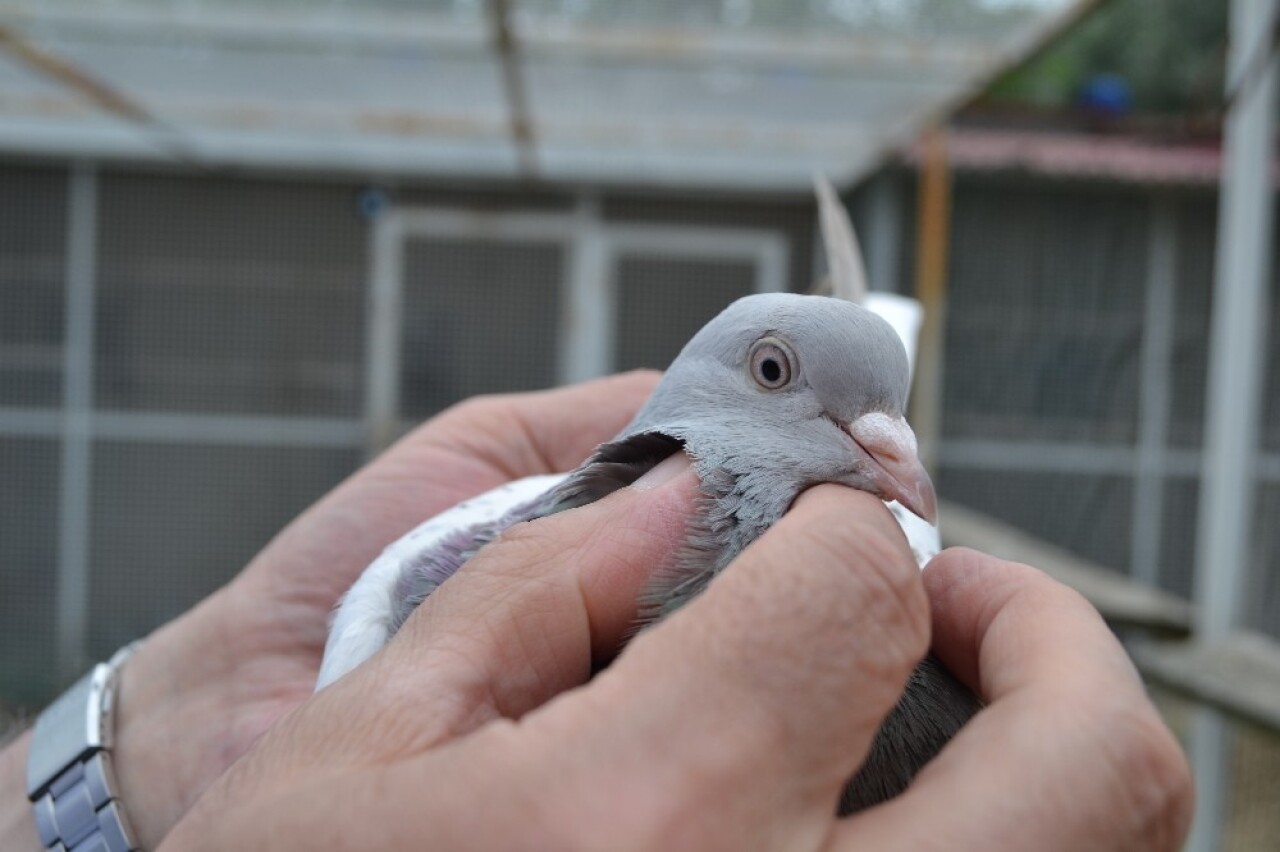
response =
{"points": [[612, 466], [933, 708]]}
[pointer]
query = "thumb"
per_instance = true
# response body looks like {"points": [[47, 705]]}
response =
{"points": [[525, 619], [547, 599]]}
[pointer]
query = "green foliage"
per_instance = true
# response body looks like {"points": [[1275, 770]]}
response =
{"points": [[1170, 51]]}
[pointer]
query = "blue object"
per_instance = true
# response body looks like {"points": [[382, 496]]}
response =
{"points": [[1107, 94], [372, 202]]}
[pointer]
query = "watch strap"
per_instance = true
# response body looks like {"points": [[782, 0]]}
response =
{"points": [[71, 781], [81, 810]]}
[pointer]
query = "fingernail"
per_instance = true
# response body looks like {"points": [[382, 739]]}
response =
{"points": [[663, 472]]}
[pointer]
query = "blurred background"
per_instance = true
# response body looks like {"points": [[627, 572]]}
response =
{"points": [[243, 245]]}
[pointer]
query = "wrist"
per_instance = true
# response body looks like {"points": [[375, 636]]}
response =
{"points": [[165, 717], [192, 700], [147, 778], [17, 825]]}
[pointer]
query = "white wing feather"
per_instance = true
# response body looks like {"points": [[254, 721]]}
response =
{"points": [[362, 623]]}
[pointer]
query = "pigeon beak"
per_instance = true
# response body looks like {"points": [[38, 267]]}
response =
{"points": [[894, 466]]}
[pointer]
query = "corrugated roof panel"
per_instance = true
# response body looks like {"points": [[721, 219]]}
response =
{"points": [[730, 92]]}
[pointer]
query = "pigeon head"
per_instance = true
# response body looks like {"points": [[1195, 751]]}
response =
{"points": [[782, 391]]}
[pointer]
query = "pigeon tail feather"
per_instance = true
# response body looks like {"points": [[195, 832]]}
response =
{"points": [[846, 272]]}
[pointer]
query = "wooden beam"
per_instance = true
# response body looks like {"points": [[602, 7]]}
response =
{"points": [[933, 230], [1239, 674], [95, 90], [519, 117]]}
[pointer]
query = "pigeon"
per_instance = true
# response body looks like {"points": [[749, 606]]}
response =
{"points": [[777, 393]]}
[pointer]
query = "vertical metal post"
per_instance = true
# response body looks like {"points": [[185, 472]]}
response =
{"points": [[383, 330], [1236, 360], [72, 602], [587, 319], [1153, 399], [932, 247], [884, 232]]}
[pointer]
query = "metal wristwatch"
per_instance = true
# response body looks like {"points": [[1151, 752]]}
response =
{"points": [[70, 780]]}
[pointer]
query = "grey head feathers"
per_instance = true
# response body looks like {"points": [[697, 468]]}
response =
{"points": [[848, 361]]}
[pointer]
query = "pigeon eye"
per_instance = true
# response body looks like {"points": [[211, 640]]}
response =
{"points": [[771, 363]]}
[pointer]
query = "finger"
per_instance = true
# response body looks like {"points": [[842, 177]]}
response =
{"points": [[524, 434], [988, 633], [1068, 754], [747, 710], [521, 621]]}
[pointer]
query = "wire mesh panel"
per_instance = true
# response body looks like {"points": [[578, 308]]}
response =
{"points": [[1197, 233], [234, 297], [1253, 755], [28, 554], [1178, 536], [32, 299], [213, 296], [1253, 819], [171, 523], [792, 220], [1045, 314], [32, 271], [1043, 343], [662, 302], [479, 317], [1088, 514], [1262, 593]]}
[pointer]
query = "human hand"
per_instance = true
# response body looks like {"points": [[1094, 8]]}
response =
{"points": [[733, 724], [204, 687]]}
